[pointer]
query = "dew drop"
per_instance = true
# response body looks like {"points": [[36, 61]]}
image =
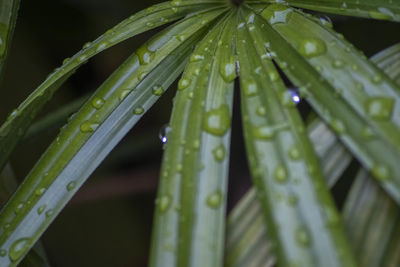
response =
{"points": [[219, 153], [18, 248], [276, 13], [157, 90], [164, 131], [294, 153], [250, 88], [163, 203], [86, 45], [181, 37], [97, 102], [380, 108], [380, 172], [338, 126], [138, 110], [3, 252], [41, 209], [261, 111], [196, 58], [376, 79], [264, 132], [280, 174], [337, 63], [183, 84], [326, 21], [40, 191], [71, 186], [123, 94], [88, 127], [312, 47], [214, 200], [145, 55], [302, 237], [228, 71], [217, 121], [49, 213]]}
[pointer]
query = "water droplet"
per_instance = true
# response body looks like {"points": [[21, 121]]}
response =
{"points": [[183, 84], [66, 60], [326, 21], [337, 63], [382, 13], [276, 13], [380, 172], [49, 213], [331, 215], [138, 110], [196, 57], [101, 46], [3, 252], [86, 45], [264, 132], [97, 102], [214, 200], [82, 58], [71, 186], [273, 75], [302, 237], [312, 47], [376, 79], [250, 88], [164, 131], [145, 55], [367, 132], [380, 108], [18, 248], [41, 209], [181, 37], [217, 121], [175, 2], [19, 207], [219, 153], [88, 127], [338, 126], [292, 200], [163, 203], [123, 94], [280, 174], [40, 191], [294, 153], [261, 111], [157, 90], [228, 71]]}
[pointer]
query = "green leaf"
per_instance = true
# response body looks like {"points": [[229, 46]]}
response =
{"points": [[189, 221], [302, 218], [325, 67], [8, 17], [93, 132], [20, 119], [370, 215], [247, 243], [375, 9]]}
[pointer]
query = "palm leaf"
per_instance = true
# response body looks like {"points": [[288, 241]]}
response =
{"points": [[375, 9], [302, 218], [8, 17], [371, 216], [189, 221], [100, 124], [21, 118], [325, 67], [247, 243]]}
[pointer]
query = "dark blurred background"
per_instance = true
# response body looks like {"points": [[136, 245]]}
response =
{"points": [[108, 223]]}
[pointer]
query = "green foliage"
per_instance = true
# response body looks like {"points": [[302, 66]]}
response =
{"points": [[213, 42]]}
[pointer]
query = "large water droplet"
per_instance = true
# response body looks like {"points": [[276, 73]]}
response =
{"points": [[276, 13], [250, 88], [312, 47], [217, 121], [145, 55], [183, 84], [18, 248], [88, 127], [157, 90], [164, 131], [138, 110], [97, 102], [40, 191], [380, 108], [196, 57], [41, 209], [326, 21], [228, 71], [123, 94], [214, 200]]}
